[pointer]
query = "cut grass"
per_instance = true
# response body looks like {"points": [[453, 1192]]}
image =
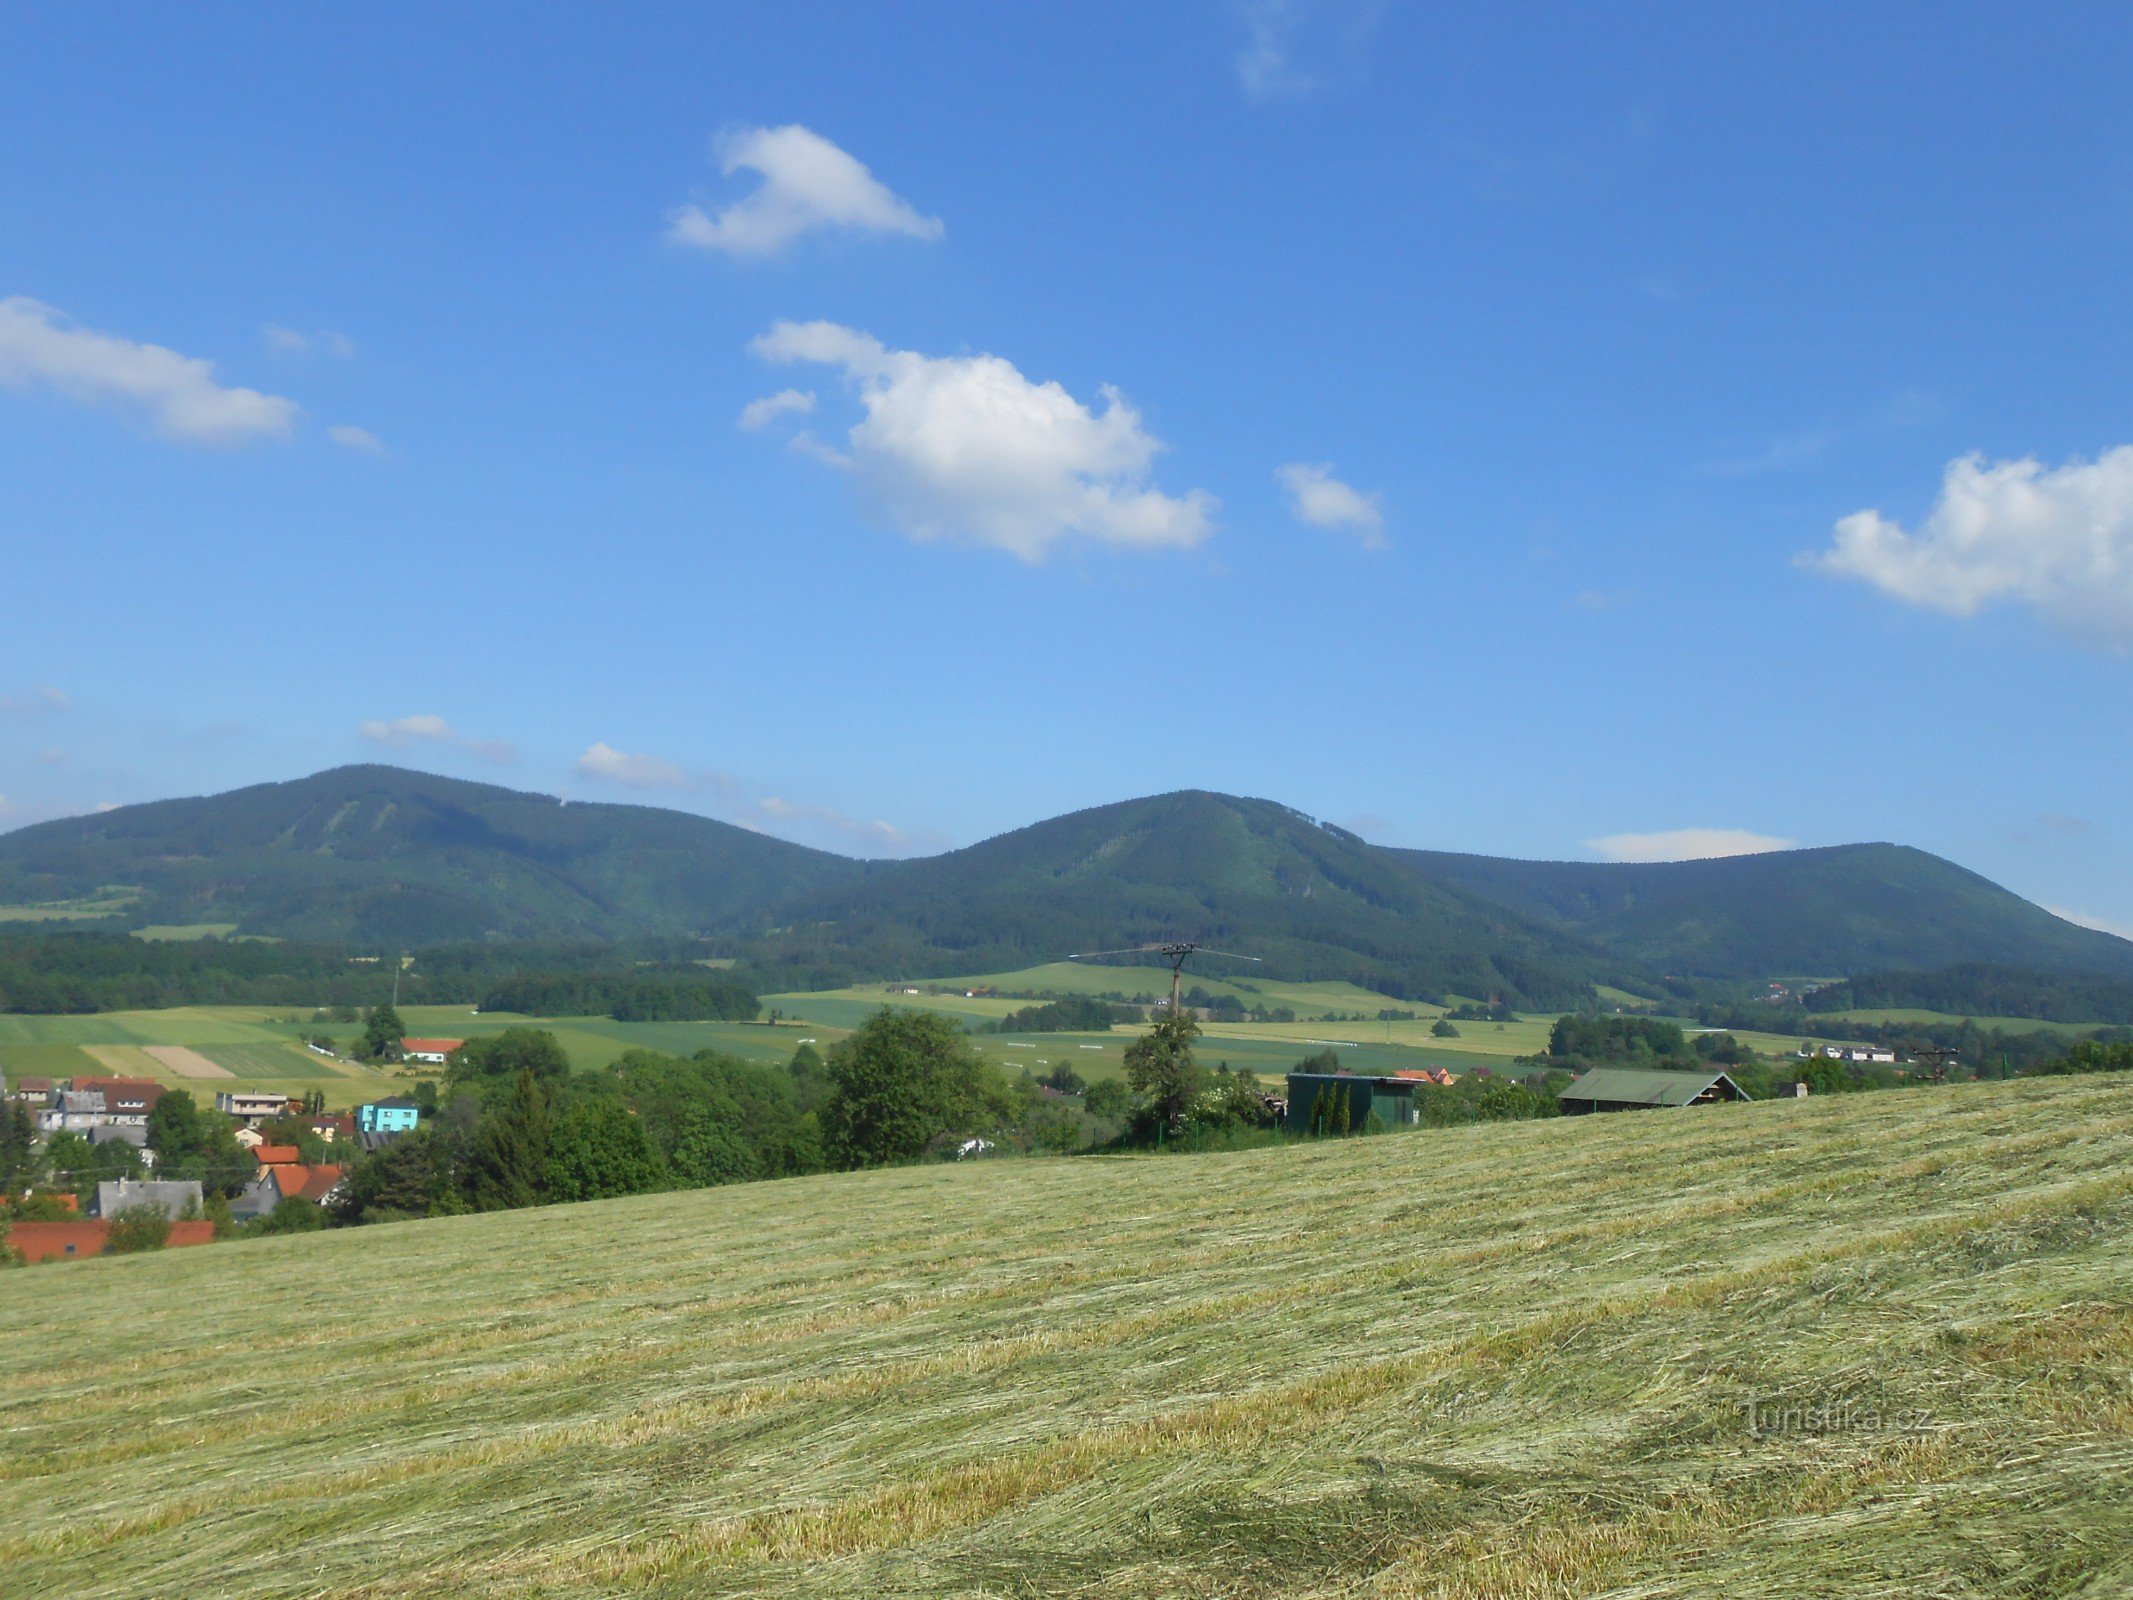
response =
{"points": [[1498, 1361]]}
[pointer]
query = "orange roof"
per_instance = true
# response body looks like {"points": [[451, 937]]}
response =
{"points": [[312, 1183], [276, 1155], [440, 1047]]}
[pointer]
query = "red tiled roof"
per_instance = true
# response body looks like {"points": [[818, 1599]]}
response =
{"points": [[441, 1047], [277, 1155], [45, 1241]]}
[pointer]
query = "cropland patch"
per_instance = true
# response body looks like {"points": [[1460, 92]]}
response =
{"points": [[186, 1062], [1867, 1345]]}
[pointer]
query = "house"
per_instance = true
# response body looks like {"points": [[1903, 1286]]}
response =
{"points": [[1351, 1100], [30, 1091], [1443, 1077], [1634, 1089], [285, 1181], [127, 1101], [396, 1114], [276, 1155], [250, 1138], [173, 1197], [429, 1051], [1857, 1052], [72, 1111], [64, 1241], [336, 1125], [250, 1107]]}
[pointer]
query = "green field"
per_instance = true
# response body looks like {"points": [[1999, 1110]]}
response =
{"points": [[1875, 1345]]}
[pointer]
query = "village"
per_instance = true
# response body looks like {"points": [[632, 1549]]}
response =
{"points": [[285, 1157]]}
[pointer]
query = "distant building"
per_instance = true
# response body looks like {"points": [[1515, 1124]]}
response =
{"points": [[286, 1181], [429, 1051], [394, 1115], [251, 1107], [30, 1091], [73, 1111], [1352, 1099], [276, 1155], [1632, 1089], [126, 1100], [174, 1198], [67, 1241]]}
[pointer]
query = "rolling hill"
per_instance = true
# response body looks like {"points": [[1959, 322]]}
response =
{"points": [[1800, 913], [1314, 901], [1868, 1345], [375, 854]]}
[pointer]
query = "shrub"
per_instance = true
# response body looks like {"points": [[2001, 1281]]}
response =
{"points": [[138, 1228]]}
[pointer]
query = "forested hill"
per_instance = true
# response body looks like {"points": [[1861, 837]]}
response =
{"points": [[1827, 912], [1249, 875], [376, 855], [380, 854]]}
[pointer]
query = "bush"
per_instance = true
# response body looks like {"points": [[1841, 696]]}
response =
{"points": [[138, 1228]]}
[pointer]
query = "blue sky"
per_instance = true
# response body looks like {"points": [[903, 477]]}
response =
{"points": [[1553, 432]]}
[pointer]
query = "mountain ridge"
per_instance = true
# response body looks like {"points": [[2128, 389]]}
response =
{"points": [[380, 854]]}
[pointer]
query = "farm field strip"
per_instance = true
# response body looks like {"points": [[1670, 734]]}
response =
{"points": [[1159, 1380]]}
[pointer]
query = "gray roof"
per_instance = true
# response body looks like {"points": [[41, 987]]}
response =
{"points": [[1636, 1086], [133, 1133], [173, 1195]]}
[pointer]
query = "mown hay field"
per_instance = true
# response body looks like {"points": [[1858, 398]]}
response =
{"points": [[1869, 1345]]}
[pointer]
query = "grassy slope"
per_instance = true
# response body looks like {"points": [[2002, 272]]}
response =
{"points": [[1503, 1361]]}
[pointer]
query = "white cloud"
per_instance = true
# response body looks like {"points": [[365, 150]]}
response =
{"points": [[1322, 500], [1279, 34], [759, 414], [2058, 539], [1687, 844], [360, 440], [967, 447], [632, 772], [808, 183], [747, 806], [402, 733], [177, 394], [42, 699], [291, 342]]}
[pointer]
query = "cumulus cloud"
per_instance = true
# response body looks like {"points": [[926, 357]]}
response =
{"points": [[42, 699], [759, 414], [405, 733], [808, 183], [1323, 501], [2057, 539], [177, 395], [321, 341], [360, 440], [632, 772], [966, 447], [1687, 844]]}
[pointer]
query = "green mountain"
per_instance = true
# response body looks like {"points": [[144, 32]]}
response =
{"points": [[379, 854], [1806, 913], [1245, 875]]}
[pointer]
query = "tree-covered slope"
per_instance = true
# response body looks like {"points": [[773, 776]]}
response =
{"points": [[382, 854], [1826, 912], [1247, 875]]}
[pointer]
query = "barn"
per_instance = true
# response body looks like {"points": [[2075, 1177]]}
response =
{"points": [[1636, 1089]]}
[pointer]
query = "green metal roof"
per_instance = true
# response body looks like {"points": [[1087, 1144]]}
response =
{"points": [[1637, 1087]]}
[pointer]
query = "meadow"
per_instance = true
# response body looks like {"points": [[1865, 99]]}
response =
{"points": [[1872, 1345]]}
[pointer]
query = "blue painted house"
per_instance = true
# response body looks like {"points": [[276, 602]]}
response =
{"points": [[395, 1115]]}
